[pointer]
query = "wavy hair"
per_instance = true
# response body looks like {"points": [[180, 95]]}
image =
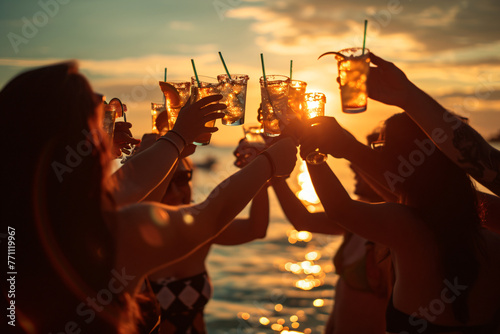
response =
{"points": [[56, 163], [444, 196]]}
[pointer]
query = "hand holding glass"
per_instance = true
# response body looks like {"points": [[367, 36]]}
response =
{"points": [[207, 86]]}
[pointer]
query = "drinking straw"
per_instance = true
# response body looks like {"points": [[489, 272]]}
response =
{"points": [[364, 37], [195, 73], [263, 68], [224, 63], [165, 80], [291, 65]]}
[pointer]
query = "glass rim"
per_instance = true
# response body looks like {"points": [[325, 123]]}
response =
{"points": [[204, 79], [178, 81], [236, 75], [279, 77], [351, 52]]}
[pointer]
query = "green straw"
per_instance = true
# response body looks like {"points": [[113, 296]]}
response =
{"points": [[291, 66], [364, 37], [165, 80], [195, 73], [263, 68], [224, 63]]}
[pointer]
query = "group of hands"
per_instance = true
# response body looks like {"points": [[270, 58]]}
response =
{"points": [[386, 84]]}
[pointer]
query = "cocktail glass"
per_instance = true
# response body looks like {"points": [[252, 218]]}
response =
{"points": [[353, 66], [156, 110], [234, 93], [296, 101], [274, 93], [207, 86], [109, 119], [315, 107], [253, 143], [184, 90]]}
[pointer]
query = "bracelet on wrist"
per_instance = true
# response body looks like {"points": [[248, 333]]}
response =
{"points": [[271, 162], [179, 150], [180, 136]]}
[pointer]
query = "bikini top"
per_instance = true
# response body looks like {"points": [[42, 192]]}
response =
{"points": [[365, 274], [399, 322], [185, 295]]}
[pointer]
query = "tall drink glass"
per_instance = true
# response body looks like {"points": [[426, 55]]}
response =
{"points": [[255, 143], [208, 86], [274, 94], [109, 119], [296, 101], [353, 68], [184, 90], [315, 107], [156, 110], [234, 94]]}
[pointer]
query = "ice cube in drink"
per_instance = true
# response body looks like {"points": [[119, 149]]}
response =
{"points": [[353, 71], [234, 93], [274, 94]]}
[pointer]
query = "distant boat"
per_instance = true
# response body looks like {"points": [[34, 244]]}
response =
{"points": [[207, 164]]}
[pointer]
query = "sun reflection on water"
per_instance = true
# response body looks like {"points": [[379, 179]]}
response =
{"points": [[308, 271], [306, 193]]}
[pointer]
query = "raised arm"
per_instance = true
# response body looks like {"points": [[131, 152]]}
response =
{"points": [[385, 223], [459, 141], [151, 236], [331, 138], [147, 169], [243, 230], [298, 215]]}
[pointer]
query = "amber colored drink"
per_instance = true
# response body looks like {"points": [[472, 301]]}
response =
{"points": [[274, 94], [353, 72]]}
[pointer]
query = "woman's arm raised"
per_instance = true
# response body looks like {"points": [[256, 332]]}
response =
{"points": [[298, 215], [151, 236], [459, 141], [387, 223], [147, 169]]}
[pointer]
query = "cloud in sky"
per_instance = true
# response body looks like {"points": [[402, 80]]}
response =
{"points": [[430, 25], [445, 47]]}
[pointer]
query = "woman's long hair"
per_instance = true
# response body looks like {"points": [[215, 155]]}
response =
{"points": [[444, 196], [56, 160]]}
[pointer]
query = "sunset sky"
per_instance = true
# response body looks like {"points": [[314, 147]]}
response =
{"points": [[449, 48]]}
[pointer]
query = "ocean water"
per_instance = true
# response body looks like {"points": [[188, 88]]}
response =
{"points": [[285, 281]]}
